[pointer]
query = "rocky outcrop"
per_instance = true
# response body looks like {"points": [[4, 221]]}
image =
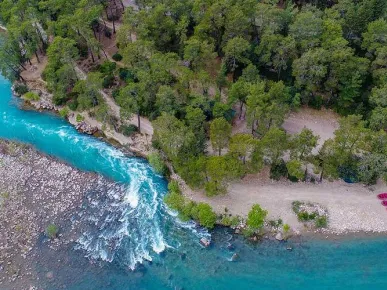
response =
{"points": [[83, 127]]}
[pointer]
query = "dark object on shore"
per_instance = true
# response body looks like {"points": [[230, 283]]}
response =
{"points": [[382, 195], [206, 243]]}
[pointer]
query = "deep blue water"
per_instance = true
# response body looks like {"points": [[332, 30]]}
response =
{"points": [[144, 228]]}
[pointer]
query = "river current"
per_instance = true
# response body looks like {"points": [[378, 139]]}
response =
{"points": [[153, 250]]}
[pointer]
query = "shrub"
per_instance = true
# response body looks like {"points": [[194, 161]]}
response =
{"points": [[286, 228], [20, 89], [278, 170], [52, 231], [128, 130], [108, 81], [206, 215], [125, 74], [117, 57], [64, 112], [175, 200], [79, 118], [305, 216], [30, 96], [115, 93], [321, 222], [73, 104], [256, 217], [157, 162], [107, 68]]}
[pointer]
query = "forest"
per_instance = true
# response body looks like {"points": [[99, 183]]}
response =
{"points": [[193, 67]]}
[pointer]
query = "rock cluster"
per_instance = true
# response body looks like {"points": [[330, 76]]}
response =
{"points": [[83, 127], [35, 191]]}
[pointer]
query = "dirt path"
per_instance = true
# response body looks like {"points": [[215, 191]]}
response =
{"points": [[146, 125], [351, 207]]}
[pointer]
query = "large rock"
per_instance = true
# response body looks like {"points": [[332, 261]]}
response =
{"points": [[85, 128], [279, 236]]}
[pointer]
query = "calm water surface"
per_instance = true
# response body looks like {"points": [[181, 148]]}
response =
{"points": [[143, 230]]}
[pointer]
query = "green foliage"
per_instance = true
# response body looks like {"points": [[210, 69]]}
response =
{"points": [[128, 130], [20, 89], [157, 162], [205, 214], [220, 132], [304, 216], [294, 168], [30, 96], [64, 112], [200, 212], [108, 81], [79, 118], [321, 222], [52, 231], [107, 68], [256, 217], [117, 57], [286, 228], [278, 170]]}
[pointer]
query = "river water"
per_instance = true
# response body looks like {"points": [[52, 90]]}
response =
{"points": [[137, 244]]}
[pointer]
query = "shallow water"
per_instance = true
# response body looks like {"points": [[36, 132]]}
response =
{"points": [[138, 227]]}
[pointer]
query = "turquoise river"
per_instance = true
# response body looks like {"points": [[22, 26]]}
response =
{"points": [[153, 250]]}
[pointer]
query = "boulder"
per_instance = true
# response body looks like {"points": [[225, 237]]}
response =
{"points": [[279, 236], [206, 243]]}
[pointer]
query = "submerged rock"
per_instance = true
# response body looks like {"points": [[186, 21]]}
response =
{"points": [[206, 243]]}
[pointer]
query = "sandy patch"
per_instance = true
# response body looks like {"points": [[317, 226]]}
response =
{"points": [[322, 122], [351, 207]]}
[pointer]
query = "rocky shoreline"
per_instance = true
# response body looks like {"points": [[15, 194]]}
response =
{"points": [[36, 190]]}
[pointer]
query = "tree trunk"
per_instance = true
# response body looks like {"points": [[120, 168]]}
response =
{"points": [[322, 173], [92, 55], [138, 122], [37, 57], [113, 16], [220, 151], [241, 108]]}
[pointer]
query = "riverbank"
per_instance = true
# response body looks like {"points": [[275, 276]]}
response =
{"points": [[352, 208], [35, 191]]}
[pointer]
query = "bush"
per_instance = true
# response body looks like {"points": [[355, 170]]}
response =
{"points": [[321, 222], [108, 81], [117, 57], [206, 215], [304, 216], [107, 68], [286, 228], [64, 112], [128, 130], [79, 118], [20, 89], [157, 162], [115, 93], [30, 96], [201, 212], [256, 217], [125, 74], [278, 170], [52, 231], [73, 104]]}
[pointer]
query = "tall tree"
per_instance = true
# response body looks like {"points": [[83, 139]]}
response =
{"points": [[220, 132]]}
